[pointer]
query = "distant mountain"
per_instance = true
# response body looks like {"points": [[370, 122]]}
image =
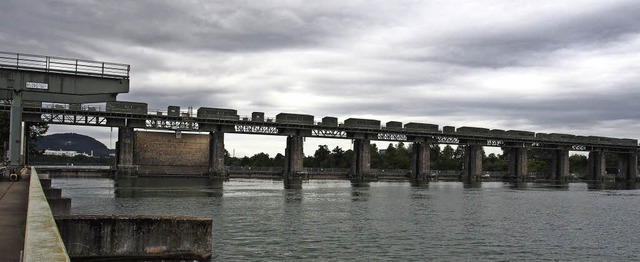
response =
{"points": [[73, 142]]}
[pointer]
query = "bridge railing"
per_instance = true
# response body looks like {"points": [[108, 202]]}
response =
{"points": [[63, 65]]}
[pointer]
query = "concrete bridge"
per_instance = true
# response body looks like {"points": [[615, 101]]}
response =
{"points": [[188, 151]]}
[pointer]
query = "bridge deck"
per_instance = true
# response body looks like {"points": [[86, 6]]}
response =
{"points": [[13, 214]]}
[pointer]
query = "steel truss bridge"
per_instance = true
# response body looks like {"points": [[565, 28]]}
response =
{"points": [[93, 116]]}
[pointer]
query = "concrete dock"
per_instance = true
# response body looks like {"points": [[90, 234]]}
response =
{"points": [[13, 215]]}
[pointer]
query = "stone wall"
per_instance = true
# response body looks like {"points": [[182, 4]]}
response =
{"points": [[158, 153]]}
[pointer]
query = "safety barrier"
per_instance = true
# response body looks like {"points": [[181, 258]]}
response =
{"points": [[42, 241]]}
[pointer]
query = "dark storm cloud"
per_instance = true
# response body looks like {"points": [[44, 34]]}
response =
{"points": [[544, 65], [527, 43]]}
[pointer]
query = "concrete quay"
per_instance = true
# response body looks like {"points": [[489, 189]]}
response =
{"points": [[13, 215]]}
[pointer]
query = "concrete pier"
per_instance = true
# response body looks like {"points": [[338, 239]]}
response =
{"points": [[518, 162], [597, 166], [420, 161], [216, 155], [124, 152], [559, 166], [628, 166], [472, 163], [361, 165]]}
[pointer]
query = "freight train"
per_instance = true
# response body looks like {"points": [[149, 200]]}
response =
{"points": [[308, 120]]}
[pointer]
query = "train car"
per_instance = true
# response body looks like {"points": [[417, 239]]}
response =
{"points": [[628, 142], [362, 123], [543, 136], [126, 107], [412, 126], [394, 125], [448, 129], [288, 118], [563, 137], [469, 130], [218, 113], [497, 132], [520, 134], [257, 116], [329, 121], [173, 111]]}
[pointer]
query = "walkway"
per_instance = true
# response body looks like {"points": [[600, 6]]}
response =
{"points": [[13, 214]]}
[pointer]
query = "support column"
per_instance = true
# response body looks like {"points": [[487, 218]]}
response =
{"points": [[216, 155], [559, 165], [15, 134], [124, 150], [361, 165], [420, 164], [472, 169], [294, 156], [518, 162], [597, 165], [628, 166]]}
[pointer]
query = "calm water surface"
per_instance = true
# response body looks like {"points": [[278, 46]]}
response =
{"points": [[393, 221]]}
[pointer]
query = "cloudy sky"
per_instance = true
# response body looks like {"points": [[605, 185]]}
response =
{"points": [[543, 65]]}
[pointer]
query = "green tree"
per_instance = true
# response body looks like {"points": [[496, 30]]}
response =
{"points": [[578, 164]]}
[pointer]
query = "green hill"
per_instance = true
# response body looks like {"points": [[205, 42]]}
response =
{"points": [[73, 142]]}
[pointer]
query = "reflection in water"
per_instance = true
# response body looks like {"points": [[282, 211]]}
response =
{"points": [[359, 191], [293, 183], [610, 185], [138, 187]]}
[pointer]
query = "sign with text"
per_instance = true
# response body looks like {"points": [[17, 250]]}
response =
{"points": [[34, 85]]}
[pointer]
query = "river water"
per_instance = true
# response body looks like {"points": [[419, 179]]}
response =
{"points": [[333, 220]]}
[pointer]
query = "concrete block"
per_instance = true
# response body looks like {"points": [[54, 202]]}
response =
{"points": [[136, 237]]}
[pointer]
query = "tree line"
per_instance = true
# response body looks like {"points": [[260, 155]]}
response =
{"points": [[398, 156]]}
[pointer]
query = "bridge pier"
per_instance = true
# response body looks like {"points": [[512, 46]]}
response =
{"points": [[518, 162], [472, 169], [559, 168], [628, 166], [124, 152], [597, 166], [216, 155], [361, 165], [420, 162], [293, 163]]}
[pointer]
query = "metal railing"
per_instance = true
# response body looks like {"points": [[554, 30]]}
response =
{"points": [[63, 65]]}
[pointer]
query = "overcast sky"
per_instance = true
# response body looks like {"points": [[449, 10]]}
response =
{"points": [[543, 65]]}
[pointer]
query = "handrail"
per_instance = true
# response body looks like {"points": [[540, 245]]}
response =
{"points": [[63, 65]]}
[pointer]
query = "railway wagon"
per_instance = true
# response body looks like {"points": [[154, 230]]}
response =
{"points": [[628, 142], [497, 133], [126, 107], [288, 118], [218, 113], [257, 116], [362, 123], [329, 121], [520, 133], [448, 129], [412, 126], [473, 130], [562, 137], [173, 111], [543, 136], [394, 125]]}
